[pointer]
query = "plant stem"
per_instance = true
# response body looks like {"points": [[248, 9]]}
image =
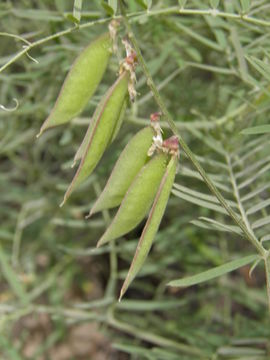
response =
{"points": [[155, 339], [111, 285], [267, 275], [240, 206], [134, 17], [182, 143]]}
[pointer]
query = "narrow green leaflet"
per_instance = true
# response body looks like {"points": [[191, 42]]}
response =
{"points": [[245, 4], [148, 3], [152, 224], [214, 3], [261, 129], [262, 67], [142, 3], [259, 206], [199, 202], [37, 14], [182, 3], [131, 160], [81, 82], [113, 5], [12, 278], [137, 200], [213, 273], [104, 125], [109, 10], [261, 222], [202, 39], [77, 8]]}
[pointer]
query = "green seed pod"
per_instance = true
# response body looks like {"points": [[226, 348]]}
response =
{"points": [[90, 130], [120, 120], [131, 160], [83, 146], [81, 82], [152, 224], [137, 200], [104, 122]]}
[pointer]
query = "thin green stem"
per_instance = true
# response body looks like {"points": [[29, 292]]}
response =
{"points": [[134, 17], [155, 339], [11, 313], [111, 285], [182, 143], [237, 197], [30, 46], [267, 274], [15, 37], [210, 12]]}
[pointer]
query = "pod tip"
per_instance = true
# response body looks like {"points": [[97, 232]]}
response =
{"points": [[89, 215], [99, 244], [63, 202], [102, 240], [39, 134], [122, 292], [155, 117]]}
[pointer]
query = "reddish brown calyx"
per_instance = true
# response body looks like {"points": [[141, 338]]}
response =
{"points": [[131, 60], [171, 145], [155, 117]]}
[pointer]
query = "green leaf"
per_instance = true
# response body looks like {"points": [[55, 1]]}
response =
{"points": [[113, 5], [109, 10], [12, 278], [261, 205], [261, 222], [245, 4], [37, 15], [213, 273], [201, 195], [182, 3], [262, 67], [199, 202], [71, 18], [215, 225], [194, 34], [77, 8], [142, 3], [214, 3], [261, 129], [149, 4]]}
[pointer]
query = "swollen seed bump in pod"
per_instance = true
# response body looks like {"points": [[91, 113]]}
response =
{"points": [[101, 131], [138, 199], [131, 160], [82, 148], [155, 216], [81, 82]]}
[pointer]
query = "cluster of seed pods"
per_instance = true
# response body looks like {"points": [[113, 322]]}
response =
{"points": [[142, 178]]}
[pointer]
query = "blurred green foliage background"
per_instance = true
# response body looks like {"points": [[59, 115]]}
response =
{"points": [[57, 291]]}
